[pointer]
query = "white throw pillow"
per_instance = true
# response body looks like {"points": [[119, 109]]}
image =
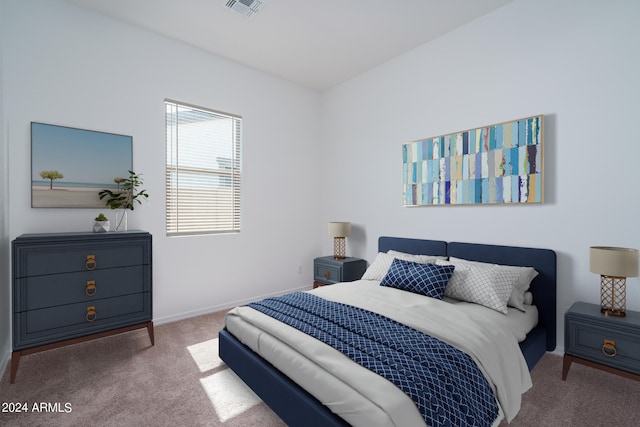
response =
{"points": [[420, 259], [525, 276], [528, 298], [378, 269], [485, 285], [383, 261]]}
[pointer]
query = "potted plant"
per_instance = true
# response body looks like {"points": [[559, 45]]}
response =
{"points": [[124, 198], [101, 224]]}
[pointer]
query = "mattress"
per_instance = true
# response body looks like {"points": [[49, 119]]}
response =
{"points": [[364, 398]]}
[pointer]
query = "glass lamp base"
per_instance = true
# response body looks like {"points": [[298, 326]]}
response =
{"points": [[613, 295]]}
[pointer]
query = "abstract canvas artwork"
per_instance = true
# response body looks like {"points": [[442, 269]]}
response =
{"points": [[495, 164]]}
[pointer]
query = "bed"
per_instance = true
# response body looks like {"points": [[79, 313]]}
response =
{"points": [[297, 407]]}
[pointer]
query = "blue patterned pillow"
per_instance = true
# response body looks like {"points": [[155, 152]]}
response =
{"points": [[425, 279]]}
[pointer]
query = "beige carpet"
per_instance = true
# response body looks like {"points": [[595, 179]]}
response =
{"points": [[123, 381]]}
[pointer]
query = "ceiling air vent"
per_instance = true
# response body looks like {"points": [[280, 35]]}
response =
{"points": [[245, 7]]}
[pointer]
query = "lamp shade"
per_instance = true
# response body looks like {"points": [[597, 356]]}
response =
{"points": [[612, 261], [339, 229]]}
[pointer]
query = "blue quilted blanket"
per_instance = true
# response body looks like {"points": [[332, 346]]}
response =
{"points": [[445, 384]]}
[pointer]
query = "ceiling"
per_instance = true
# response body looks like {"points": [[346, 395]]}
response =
{"points": [[317, 44]]}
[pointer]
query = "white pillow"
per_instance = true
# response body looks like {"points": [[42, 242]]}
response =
{"points": [[378, 269], [420, 259], [485, 285], [383, 261], [524, 277], [528, 298]]}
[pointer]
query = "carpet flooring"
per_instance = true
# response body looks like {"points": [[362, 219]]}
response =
{"points": [[124, 381]]}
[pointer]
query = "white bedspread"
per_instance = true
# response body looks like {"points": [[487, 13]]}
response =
{"points": [[362, 397]]}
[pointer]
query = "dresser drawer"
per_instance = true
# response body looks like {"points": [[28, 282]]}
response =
{"points": [[38, 327], [71, 257], [327, 273], [599, 342], [58, 289]]}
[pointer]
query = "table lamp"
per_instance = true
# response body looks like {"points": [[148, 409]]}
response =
{"points": [[339, 230], [614, 266]]}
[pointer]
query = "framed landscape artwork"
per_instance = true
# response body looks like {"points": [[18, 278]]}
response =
{"points": [[70, 166], [497, 164]]}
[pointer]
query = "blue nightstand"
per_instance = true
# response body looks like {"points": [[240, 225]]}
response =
{"points": [[608, 343], [327, 270]]}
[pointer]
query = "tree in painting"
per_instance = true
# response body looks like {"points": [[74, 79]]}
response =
{"points": [[51, 175], [119, 181]]}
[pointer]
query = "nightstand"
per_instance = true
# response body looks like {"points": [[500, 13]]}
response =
{"points": [[328, 270], [608, 343]]}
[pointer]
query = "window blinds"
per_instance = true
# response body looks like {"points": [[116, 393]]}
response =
{"points": [[202, 171]]}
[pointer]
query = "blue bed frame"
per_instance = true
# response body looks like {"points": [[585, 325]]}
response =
{"points": [[297, 407]]}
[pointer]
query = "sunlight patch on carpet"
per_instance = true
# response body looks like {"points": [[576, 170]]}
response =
{"points": [[228, 394], [205, 354]]}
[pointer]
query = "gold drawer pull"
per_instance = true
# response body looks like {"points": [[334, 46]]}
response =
{"points": [[609, 348], [91, 263], [91, 313], [90, 289], [326, 274]]}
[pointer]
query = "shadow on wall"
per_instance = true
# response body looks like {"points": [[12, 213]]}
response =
{"points": [[357, 242]]}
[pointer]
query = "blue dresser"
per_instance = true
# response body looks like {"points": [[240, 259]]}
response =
{"points": [[72, 287]]}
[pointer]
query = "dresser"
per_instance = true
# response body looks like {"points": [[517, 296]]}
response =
{"points": [[72, 287], [327, 270], [608, 343]]}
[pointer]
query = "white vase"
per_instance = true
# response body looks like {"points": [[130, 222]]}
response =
{"points": [[121, 220], [101, 226]]}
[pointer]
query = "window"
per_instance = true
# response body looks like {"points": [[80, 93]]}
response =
{"points": [[203, 170]]}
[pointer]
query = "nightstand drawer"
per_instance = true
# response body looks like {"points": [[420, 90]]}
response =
{"points": [[49, 324], [59, 289], [590, 339], [327, 273], [67, 258]]}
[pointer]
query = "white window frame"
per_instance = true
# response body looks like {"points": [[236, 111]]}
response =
{"points": [[202, 199]]}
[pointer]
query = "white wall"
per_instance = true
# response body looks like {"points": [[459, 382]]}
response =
{"points": [[574, 62], [5, 279], [66, 66]]}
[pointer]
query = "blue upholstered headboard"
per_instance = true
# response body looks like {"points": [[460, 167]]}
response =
{"points": [[543, 286], [412, 246]]}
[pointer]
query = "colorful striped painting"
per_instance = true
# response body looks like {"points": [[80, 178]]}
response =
{"points": [[494, 164]]}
